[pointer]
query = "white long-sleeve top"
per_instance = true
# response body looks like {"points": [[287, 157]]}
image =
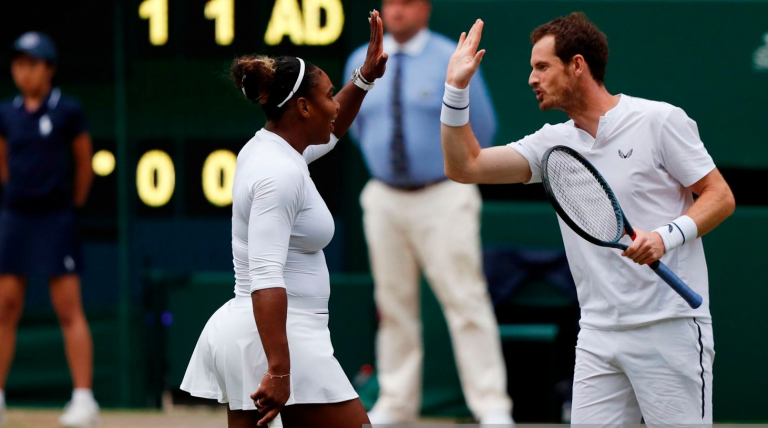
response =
{"points": [[280, 223]]}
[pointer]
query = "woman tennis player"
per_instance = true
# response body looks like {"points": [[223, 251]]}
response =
{"points": [[268, 350]]}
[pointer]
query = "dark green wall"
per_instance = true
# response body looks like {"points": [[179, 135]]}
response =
{"points": [[697, 55]]}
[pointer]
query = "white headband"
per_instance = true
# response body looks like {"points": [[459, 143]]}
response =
{"points": [[298, 82]]}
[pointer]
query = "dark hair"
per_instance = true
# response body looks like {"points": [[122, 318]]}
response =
{"points": [[267, 81], [575, 34]]}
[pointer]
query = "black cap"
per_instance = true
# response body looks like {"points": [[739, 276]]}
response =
{"points": [[37, 45]]}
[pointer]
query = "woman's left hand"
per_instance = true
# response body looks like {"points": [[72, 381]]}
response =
{"points": [[271, 396], [376, 58]]}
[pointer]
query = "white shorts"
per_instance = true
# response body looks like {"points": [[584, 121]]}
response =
{"points": [[229, 361], [661, 372]]}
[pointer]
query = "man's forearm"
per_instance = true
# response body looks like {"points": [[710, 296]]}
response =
{"points": [[714, 204], [482, 115], [460, 148], [711, 208]]}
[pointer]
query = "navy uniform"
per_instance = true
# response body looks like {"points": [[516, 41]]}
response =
{"points": [[38, 232]]}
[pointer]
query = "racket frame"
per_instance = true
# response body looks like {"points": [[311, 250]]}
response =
{"points": [[624, 228], [693, 299]]}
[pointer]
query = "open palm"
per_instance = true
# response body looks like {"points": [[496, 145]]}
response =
{"points": [[375, 59], [466, 58]]}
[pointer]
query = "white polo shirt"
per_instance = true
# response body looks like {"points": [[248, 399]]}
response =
{"points": [[649, 153]]}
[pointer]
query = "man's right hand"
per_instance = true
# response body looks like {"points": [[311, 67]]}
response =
{"points": [[466, 58]]}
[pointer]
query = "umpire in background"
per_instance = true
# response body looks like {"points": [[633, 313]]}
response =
{"points": [[45, 168], [415, 218]]}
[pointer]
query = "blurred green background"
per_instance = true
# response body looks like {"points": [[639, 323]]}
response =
{"points": [[155, 274]]}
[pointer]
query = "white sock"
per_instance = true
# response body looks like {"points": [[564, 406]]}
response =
{"points": [[2, 398], [82, 395]]}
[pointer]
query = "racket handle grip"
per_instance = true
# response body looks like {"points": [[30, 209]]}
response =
{"points": [[677, 284]]}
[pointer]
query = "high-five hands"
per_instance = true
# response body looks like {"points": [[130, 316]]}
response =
{"points": [[376, 58], [466, 58]]}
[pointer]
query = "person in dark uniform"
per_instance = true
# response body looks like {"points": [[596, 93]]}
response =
{"points": [[45, 169]]}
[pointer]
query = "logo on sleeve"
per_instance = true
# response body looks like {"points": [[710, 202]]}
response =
{"points": [[69, 263], [46, 126], [624, 156]]}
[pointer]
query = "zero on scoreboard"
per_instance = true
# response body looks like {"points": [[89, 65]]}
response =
{"points": [[156, 176]]}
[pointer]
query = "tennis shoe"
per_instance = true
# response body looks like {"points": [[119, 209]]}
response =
{"points": [[497, 418], [380, 417], [80, 414]]}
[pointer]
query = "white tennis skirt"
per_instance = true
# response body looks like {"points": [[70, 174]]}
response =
{"points": [[228, 363]]}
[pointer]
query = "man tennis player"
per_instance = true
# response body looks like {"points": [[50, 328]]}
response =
{"points": [[642, 352]]}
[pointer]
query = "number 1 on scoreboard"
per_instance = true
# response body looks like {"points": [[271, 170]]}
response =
{"points": [[223, 12], [156, 11]]}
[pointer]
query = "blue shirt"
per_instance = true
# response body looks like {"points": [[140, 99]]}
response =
{"points": [[39, 147], [425, 61]]}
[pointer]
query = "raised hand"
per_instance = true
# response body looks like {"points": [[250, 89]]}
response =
{"points": [[466, 58], [376, 58]]}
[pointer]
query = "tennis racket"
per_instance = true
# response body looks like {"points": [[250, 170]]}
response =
{"points": [[583, 199]]}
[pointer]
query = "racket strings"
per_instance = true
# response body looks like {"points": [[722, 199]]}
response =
{"points": [[582, 197]]}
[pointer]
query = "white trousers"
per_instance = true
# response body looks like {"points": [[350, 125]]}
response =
{"points": [[437, 229], [661, 372]]}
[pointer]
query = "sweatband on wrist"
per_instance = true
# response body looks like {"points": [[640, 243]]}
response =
{"points": [[678, 232], [455, 110]]}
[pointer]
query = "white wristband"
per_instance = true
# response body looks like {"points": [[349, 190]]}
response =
{"points": [[678, 232], [455, 110]]}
